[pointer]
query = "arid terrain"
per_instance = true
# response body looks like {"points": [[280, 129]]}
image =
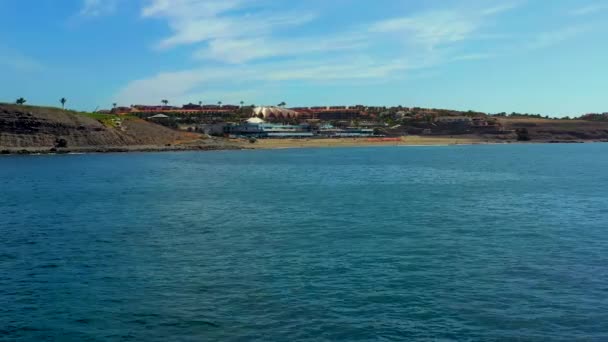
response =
{"points": [[548, 130], [27, 129], [30, 129]]}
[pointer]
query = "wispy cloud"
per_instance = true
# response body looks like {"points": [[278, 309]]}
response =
{"points": [[440, 27], [551, 38], [590, 9], [196, 21], [237, 32], [213, 96], [96, 8], [473, 57], [431, 29], [244, 50], [500, 8], [16, 60], [177, 84]]}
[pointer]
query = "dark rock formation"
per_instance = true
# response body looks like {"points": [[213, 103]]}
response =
{"points": [[23, 126]]}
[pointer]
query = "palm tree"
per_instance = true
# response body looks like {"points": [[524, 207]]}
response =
{"points": [[165, 102], [63, 101], [282, 104], [219, 103], [200, 103], [114, 105], [21, 101], [242, 103]]}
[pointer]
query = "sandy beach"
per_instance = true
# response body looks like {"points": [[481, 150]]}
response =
{"points": [[361, 142], [260, 144]]}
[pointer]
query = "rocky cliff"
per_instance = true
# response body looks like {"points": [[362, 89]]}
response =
{"points": [[46, 128], [558, 130]]}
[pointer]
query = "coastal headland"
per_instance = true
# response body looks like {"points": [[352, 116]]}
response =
{"points": [[32, 129]]}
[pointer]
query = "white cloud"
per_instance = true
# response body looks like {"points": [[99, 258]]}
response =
{"points": [[95, 8], [590, 9], [196, 21], [189, 8], [235, 33]]}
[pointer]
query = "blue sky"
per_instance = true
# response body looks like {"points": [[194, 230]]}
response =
{"points": [[534, 56]]}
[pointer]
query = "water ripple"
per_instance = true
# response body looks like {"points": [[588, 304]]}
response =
{"points": [[485, 243]]}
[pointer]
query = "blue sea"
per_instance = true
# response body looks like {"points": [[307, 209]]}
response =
{"points": [[463, 243]]}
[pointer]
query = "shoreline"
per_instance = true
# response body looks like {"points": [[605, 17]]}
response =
{"points": [[363, 142], [408, 141], [275, 144], [112, 149]]}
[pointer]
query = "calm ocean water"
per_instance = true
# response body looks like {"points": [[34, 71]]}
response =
{"points": [[399, 243]]}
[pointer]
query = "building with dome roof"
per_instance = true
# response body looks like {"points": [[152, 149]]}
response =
{"points": [[271, 112], [256, 127]]}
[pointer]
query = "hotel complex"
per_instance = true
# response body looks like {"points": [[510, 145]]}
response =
{"points": [[264, 112], [308, 122], [258, 128]]}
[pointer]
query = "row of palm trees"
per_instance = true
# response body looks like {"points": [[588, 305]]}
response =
{"points": [[166, 103], [200, 103], [63, 100], [21, 101]]}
